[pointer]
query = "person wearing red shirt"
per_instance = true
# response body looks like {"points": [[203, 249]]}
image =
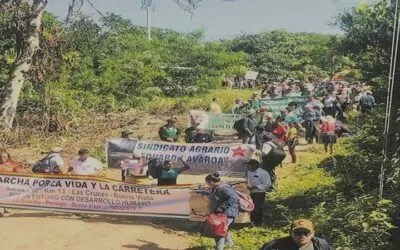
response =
{"points": [[328, 127], [280, 130]]}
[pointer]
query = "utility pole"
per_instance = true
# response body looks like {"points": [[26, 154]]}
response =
{"points": [[148, 23], [146, 4]]}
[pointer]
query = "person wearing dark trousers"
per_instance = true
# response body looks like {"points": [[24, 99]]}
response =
{"points": [[202, 137], [259, 181], [309, 117], [367, 102]]}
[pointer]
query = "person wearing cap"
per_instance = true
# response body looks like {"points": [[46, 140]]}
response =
{"points": [[258, 181], [302, 237], [169, 132], [84, 164], [249, 128]]}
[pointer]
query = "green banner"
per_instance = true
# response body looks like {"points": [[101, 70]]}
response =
{"points": [[210, 121], [277, 104]]}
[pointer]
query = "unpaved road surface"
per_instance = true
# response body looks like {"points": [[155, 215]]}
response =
{"points": [[34, 230], [42, 230]]}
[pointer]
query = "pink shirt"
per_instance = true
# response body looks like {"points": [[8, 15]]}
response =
{"points": [[328, 127]]}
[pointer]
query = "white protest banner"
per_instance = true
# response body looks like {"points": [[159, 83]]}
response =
{"points": [[90, 196], [251, 75], [228, 159], [67, 194]]}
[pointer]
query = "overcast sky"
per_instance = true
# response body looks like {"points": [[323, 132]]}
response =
{"points": [[225, 18]]}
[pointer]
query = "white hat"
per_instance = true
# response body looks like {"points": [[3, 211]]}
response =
{"points": [[56, 149]]}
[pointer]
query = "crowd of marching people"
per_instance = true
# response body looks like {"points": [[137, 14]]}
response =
{"points": [[321, 118]]}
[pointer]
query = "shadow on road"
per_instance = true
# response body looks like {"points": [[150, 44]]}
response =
{"points": [[171, 225]]}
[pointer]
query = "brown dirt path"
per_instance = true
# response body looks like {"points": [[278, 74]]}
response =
{"points": [[42, 230]]}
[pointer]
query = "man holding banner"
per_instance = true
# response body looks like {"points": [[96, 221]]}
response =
{"points": [[169, 175], [249, 128]]}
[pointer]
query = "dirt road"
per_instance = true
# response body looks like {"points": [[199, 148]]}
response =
{"points": [[34, 230], [41, 230]]}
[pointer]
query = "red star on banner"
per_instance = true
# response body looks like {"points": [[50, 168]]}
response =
{"points": [[238, 152]]}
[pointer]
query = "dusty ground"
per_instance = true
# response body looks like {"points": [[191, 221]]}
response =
{"points": [[42, 230], [33, 230]]}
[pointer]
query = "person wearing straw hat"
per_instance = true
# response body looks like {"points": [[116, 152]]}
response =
{"points": [[328, 127], [249, 127], [302, 236]]}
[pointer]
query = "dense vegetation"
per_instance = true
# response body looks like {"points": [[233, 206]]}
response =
{"points": [[89, 67]]}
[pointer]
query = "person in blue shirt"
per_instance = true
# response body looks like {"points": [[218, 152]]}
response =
{"points": [[169, 175], [258, 181], [223, 199], [367, 102]]}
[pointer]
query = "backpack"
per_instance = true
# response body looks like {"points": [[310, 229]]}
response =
{"points": [[273, 158], [44, 166], [215, 226], [246, 204], [155, 168], [239, 125]]}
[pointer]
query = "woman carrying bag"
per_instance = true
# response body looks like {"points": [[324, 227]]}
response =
{"points": [[223, 200]]}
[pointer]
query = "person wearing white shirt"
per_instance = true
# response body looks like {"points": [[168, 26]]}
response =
{"points": [[84, 164], [258, 181]]}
